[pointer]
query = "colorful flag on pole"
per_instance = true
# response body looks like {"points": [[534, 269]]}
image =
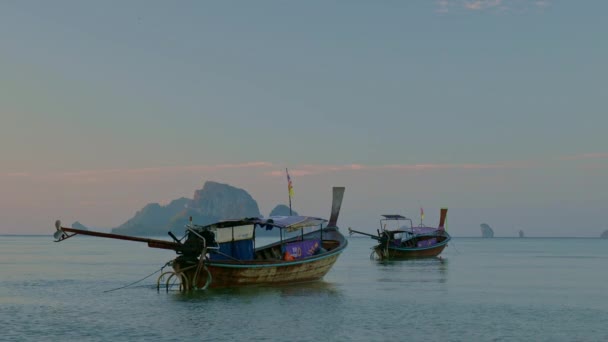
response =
{"points": [[421, 214], [289, 184]]}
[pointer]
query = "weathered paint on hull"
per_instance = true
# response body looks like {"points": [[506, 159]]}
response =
{"points": [[411, 248], [228, 273], [404, 253], [268, 273], [228, 277]]}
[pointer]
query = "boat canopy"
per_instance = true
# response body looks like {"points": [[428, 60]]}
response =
{"points": [[288, 223], [238, 233], [394, 217], [291, 223]]}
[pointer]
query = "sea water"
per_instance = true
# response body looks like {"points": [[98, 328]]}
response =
{"points": [[501, 289]]}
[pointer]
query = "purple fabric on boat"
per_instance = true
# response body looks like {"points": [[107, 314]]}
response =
{"points": [[302, 249], [427, 243], [423, 230]]}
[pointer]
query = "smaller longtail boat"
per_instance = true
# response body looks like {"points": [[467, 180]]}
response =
{"points": [[223, 254], [408, 242]]}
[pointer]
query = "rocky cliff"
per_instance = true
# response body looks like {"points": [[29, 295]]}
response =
{"points": [[153, 219], [486, 231], [79, 225], [282, 210], [214, 202], [604, 234]]}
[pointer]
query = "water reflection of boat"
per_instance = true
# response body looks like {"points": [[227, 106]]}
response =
{"points": [[304, 289], [223, 254], [414, 270], [404, 242]]}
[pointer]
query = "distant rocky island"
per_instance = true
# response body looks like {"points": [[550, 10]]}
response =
{"points": [[214, 202], [521, 233], [486, 231], [79, 225], [282, 210], [604, 234]]}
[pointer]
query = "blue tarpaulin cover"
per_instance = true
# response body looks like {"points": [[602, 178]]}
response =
{"points": [[241, 250]]}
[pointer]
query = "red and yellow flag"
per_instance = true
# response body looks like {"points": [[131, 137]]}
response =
{"points": [[289, 184]]}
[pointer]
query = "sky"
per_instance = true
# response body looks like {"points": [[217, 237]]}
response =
{"points": [[495, 109]]}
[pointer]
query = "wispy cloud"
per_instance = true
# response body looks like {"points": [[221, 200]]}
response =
{"points": [[482, 4], [272, 169], [445, 6], [596, 155], [542, 3], [96, 176], [167, 169], [18, 174], [307, 170]]}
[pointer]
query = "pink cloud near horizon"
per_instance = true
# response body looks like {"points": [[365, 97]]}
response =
{"points": [[597, 155], [91, 176], [107, 198]]}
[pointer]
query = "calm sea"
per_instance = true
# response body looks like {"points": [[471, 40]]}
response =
{"points": [[499, 289]]}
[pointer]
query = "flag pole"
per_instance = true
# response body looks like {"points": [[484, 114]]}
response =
{"points": [[288, 189], [421, 215]]}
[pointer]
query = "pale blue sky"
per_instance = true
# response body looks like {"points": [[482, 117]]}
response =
{"points": [[108, 105]]}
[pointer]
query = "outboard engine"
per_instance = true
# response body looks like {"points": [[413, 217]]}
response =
{"points": [[193, 246]]}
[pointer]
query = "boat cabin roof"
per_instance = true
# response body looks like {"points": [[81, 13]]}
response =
{"points": [[394, 217], [397, 225], [289, 223]]}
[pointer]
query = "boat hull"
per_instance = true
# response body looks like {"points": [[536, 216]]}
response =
{"points": [[395, 252], [408, 253], [273, 274], [229, 273]]}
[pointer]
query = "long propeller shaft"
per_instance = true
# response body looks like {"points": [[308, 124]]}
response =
{"points": [[151, 242], [351, 231]]}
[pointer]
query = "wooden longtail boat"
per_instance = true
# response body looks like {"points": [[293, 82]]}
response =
{"points": [[223, 254], [408, 242]]}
